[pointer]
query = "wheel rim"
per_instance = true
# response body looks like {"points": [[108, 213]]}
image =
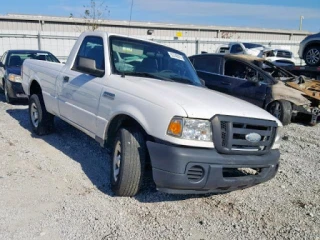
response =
{"points": [[276, 110], [34, 115], [116, 161], [313, 56]]}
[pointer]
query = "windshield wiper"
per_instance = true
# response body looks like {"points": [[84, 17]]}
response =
{"points": [[183, 80], [148, 75]]}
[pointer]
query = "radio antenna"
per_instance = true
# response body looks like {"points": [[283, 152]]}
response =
{"points": [[130, 17], [129, 28]]}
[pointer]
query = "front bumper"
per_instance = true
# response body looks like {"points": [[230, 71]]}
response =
{"points": [[15, 90], [173, 168], [314, 112]]}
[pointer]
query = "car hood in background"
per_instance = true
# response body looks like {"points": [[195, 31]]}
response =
{"points": [[13, 70], [311, 88]]}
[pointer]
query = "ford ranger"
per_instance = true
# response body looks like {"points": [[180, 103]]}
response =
{"points": [[145, 101]]}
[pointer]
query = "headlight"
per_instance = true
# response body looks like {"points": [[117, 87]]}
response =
{"points": [[278, 138], [14, 78], [190, 129]]}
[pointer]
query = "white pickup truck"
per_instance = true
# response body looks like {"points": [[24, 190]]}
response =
{"points": [[145, 101]]}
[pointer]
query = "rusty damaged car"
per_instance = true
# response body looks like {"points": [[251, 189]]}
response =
{"points": [[262, 83]]}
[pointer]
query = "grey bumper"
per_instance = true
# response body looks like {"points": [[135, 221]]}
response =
{"points": [[15, 90], [195, 170]]}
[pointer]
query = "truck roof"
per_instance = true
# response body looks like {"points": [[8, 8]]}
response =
{"points": [[120, 35]]}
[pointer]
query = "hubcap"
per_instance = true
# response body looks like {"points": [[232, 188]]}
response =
{"points": [[313, 56], [34, 115], [276, 110], [116, 161]]}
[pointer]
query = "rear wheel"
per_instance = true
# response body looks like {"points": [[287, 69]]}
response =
{"points": [[282, 110], [41, 120], [128, 162], [312, 56]]}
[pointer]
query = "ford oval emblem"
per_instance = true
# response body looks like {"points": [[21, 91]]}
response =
{"points": [[253, 137]]}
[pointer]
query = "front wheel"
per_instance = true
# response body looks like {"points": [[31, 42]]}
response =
{"points": [[41, 120], [282, 110], [6, 94], [128, 162]]}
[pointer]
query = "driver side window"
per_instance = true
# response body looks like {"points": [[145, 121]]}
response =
{"points": [[236, 49]]}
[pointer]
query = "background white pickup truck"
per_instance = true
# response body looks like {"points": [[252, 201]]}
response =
{"points": [[146, 101]]}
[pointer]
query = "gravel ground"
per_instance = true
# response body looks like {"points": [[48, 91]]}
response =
{"points": [[57, 187]]}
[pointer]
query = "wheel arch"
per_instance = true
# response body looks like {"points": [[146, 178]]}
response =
{"points": [[278, 99], [118, 121], [35, 88]]}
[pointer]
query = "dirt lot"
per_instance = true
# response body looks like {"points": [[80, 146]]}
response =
{"points": [[57, 187]]}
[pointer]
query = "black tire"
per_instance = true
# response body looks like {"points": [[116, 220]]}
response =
{"points": [[41, 120], [128, 162], [282, 110], [6, 94], [312, 56]]}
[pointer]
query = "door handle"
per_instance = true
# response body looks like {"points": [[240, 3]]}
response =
{"points": [[109, 95], [226, 83], [66, 79]]}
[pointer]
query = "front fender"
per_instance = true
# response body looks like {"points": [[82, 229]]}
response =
{"points": [[282, 92]]}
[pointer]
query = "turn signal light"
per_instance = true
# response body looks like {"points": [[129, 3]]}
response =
{"points": [[175, 127]]}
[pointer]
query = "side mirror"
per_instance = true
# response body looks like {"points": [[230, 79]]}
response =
{"points": [[88, 65], [256, 80]]}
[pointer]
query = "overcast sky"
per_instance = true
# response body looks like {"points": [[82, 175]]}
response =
{"points": [[279, 14]]}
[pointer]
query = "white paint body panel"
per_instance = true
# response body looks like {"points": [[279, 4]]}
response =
{"points": [[153, 103]]}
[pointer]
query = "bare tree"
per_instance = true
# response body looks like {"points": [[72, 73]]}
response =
{"points": [[94, 13]]}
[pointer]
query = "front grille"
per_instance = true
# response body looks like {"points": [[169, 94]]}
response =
{"points": [[231, 135], [284, 54], [195, 173]]}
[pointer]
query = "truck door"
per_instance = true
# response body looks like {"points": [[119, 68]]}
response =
{"points": [[78, 91], [245, 82], [209, 69]]}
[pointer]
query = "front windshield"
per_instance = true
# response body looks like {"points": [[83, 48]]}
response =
{"points": [[274, 71], [16, 59], [146, 59]]}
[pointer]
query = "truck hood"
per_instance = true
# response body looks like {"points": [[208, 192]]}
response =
{"points": [[197, 102]]}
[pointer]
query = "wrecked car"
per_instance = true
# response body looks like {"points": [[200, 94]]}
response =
{"points": [[279, 57], [262, 83]]}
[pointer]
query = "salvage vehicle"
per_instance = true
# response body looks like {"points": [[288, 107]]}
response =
{"points": [[252, 49], [309, 50], [279, 57], [10, 70], [153, 111], [262, 83]]}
